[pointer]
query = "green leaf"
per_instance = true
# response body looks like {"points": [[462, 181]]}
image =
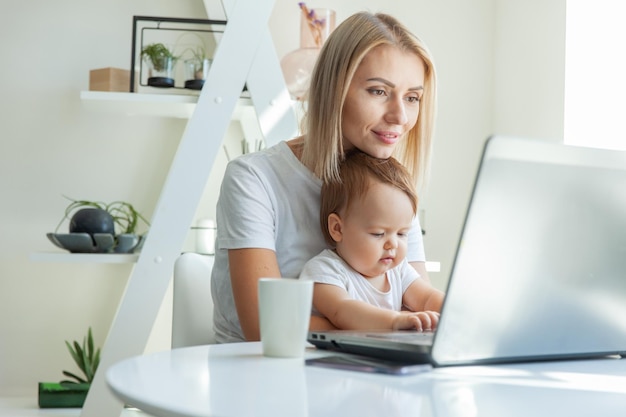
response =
{"points": [[72, 352], [86, 356], [96, 361], [81, 361], [87, 369], [75, 386], [72, 375], [90, 344]]}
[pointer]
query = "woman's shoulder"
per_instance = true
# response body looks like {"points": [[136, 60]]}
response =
{"points": [[262, 158], [277, 162]]}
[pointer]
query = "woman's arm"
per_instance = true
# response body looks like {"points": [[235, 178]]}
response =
{"points": [[246, 267]]}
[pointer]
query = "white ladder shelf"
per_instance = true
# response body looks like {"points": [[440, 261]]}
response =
{"points": [[245, 55]]}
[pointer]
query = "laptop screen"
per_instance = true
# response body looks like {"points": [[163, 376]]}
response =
{"points": [[540, 270]]}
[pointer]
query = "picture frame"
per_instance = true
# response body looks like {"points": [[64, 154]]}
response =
{"points": [[172, 55]]}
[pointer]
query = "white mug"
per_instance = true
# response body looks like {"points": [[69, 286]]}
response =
{"points": [[284, 315]]}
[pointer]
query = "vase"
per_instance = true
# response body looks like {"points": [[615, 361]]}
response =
{"points": [[297, 66], [161, 72], [196, 71]]}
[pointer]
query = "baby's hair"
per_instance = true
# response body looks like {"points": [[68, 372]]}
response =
{"points": [[356, 172]]}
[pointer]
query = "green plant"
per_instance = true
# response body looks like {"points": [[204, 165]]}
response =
{"points": [[198, 53], [86, 357], [198, 48], [125, 216], [156, 53]]}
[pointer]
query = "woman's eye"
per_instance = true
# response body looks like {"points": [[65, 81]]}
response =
{"points": [[377, 92]]}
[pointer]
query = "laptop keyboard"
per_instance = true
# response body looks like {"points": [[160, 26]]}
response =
{"points": [[412, 337]]}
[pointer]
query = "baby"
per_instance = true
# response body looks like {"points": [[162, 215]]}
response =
{"points": [[365, 280]]}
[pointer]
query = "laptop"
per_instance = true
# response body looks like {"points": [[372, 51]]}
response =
{"points": [[540, 269]]}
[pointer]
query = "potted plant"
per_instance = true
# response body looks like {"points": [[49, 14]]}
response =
{"points": [[196, 68], [92, 227], [72, 393], [161, 63], [196, 61]]}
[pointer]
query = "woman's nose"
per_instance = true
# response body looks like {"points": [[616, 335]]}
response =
{"points": [[396, 112]]}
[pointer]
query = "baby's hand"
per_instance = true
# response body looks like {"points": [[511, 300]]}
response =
{"points": [[422, 320]]}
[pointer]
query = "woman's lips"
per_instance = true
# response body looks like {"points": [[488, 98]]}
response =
{"points": [[389, 138]]}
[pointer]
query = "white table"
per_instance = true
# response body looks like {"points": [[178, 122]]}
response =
{"points": [[236, 380]]}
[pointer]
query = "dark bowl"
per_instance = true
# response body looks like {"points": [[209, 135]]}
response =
{"points": [[100, 243]]}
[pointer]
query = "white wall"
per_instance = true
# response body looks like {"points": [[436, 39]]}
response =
{"points": [[502, 72], [529, 71], [52, 146]]}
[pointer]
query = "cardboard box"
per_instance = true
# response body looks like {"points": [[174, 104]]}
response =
{"points": [[109, 79]]}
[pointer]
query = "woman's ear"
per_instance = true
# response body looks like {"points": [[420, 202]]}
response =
{"points": [[335, 227]]}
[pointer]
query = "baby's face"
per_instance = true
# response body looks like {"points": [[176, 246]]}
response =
{"points": [[375, 230]]}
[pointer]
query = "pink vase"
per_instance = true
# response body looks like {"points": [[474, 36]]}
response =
{"points": [[297, 66]]}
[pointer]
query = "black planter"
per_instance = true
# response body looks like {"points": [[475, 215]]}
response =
{"points": [[161, 82], [92, 221]]}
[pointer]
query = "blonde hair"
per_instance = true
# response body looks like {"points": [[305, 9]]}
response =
{"points": [[357, 171], [339, 58]]}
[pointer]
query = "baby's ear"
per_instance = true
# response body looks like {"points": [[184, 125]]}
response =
{"points": [[335, 227]]}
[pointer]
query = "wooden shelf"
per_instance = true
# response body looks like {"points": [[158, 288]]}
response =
{"points": [[102, 258], [148, 104]]}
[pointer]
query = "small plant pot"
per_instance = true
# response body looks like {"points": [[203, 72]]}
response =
{"points": [[196, 71], [161, 72], [57, 395]]}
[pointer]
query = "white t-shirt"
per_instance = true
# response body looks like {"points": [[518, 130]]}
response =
{"points": [[329, 268], [268, 199]]}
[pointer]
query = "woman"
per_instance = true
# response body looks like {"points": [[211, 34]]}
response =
{"points": [[373, 88]]}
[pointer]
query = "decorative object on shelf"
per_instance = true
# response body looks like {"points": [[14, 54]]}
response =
{"points": [[315, 26], [197, 70], [197, 65], [189, 41], [92, 228], [161, 62], [72, 393], [97, 242], [109, 79], [205, 236]]}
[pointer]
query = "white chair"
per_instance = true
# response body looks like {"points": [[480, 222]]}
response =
{"points": [[192, 309]]}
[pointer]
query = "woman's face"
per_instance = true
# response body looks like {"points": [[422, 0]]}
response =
{"points": [[383, 100]]}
